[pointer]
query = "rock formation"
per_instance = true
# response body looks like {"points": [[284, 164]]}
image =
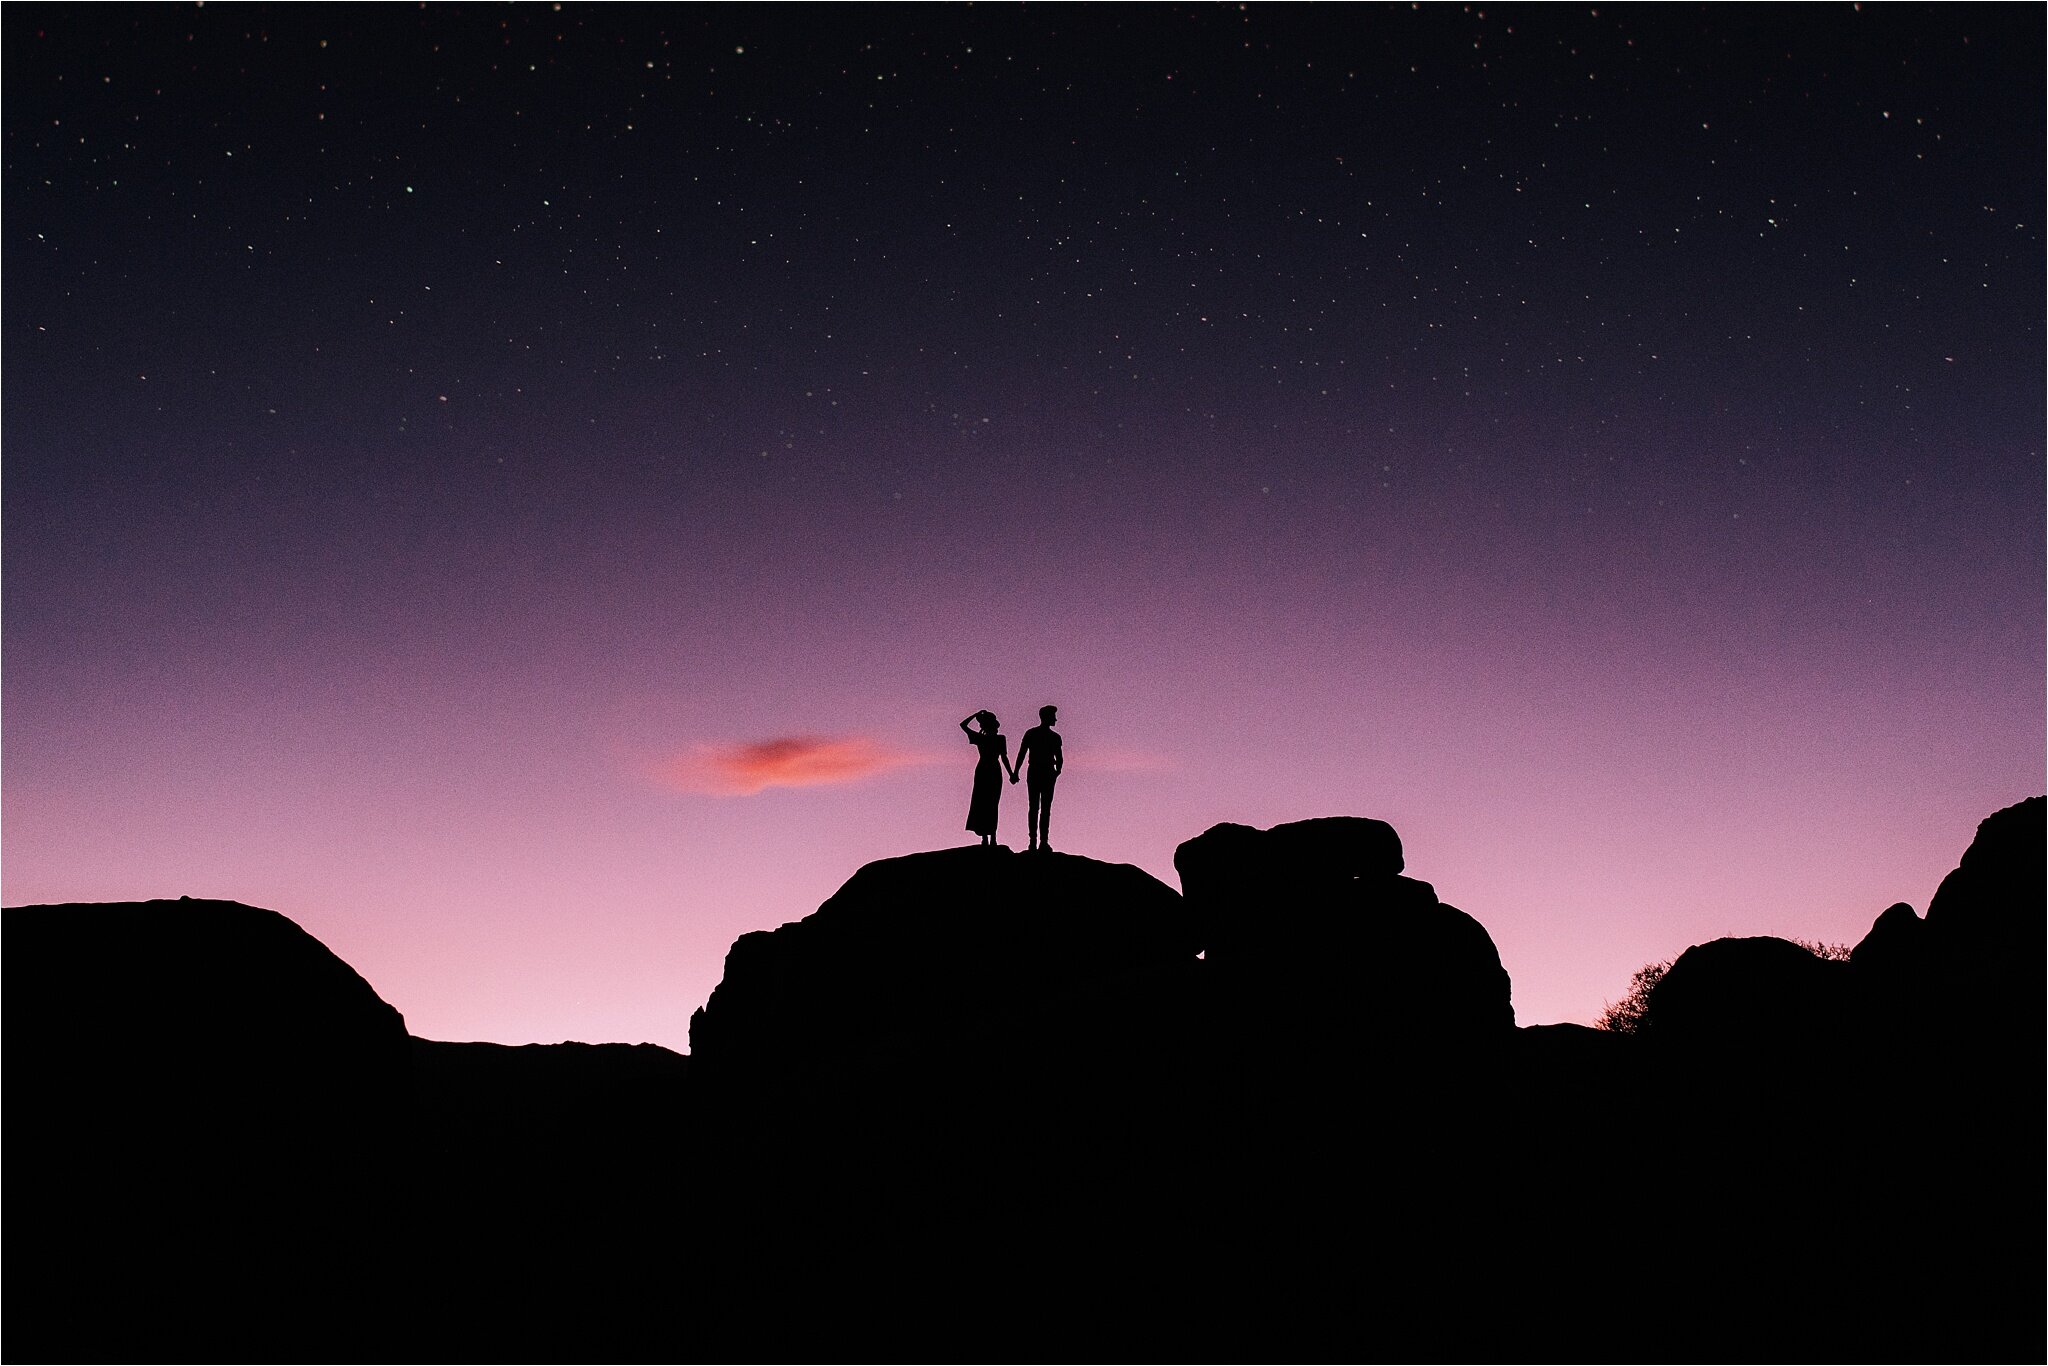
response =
{"points": [[1316, 914], [915, 957], [1985, 928], [988, 1105]]}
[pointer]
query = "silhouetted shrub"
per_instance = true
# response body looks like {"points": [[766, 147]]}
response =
{"points": [[1626, 1015]]}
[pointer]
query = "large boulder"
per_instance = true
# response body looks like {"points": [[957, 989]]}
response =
{"points": [[955, 1062], [1751, 994], [1322, 850], [1313, 920], [918, 958]]}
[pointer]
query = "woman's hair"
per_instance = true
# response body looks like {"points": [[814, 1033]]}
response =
{"points": [[987, 719]]}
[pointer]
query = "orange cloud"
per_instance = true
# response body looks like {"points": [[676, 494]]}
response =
{"points": [[740, 770]]}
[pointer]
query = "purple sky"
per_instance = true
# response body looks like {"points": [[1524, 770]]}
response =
{"points": [[439, 443]]}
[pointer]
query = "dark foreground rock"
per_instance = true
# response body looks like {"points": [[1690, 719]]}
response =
{"points": [[993, 1106]]}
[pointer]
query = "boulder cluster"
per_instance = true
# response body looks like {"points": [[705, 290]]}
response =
{"points": [[983, 1105]]}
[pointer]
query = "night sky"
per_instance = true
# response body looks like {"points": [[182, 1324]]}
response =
{"points": [[529, 491]]}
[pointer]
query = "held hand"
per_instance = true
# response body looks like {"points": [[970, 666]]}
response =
{"points": [[1013, 778]]}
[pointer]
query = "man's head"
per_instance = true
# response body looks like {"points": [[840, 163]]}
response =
{"points": [[1048, 714]]}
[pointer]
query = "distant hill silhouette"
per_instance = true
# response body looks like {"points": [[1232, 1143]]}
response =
{"points": [[204, 1109], [983, 1105]]}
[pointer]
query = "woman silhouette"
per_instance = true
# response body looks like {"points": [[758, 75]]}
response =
{"points": [[988, 773]]}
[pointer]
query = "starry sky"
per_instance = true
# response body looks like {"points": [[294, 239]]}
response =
{"points": [[530, 491]]}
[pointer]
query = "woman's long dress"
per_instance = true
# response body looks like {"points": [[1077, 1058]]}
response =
{"points": [[988, 782]]}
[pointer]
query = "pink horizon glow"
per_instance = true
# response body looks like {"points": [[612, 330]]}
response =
{"points": [[492, 870]]}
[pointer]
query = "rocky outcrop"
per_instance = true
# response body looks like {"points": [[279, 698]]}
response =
{"points": [[1985, 922], [1229, 860], [917, 958], [1992, 901], [1316, 915], [1986, 933], [1032, 1038], [1061, 972]]}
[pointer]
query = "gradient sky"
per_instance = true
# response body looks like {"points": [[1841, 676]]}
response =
{"points": [[529, 492]]}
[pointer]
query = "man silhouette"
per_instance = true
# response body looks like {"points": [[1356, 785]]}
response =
{"points": [[1041, 745]]}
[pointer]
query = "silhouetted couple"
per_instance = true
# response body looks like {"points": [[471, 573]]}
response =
{"points": [[1041, 750]]}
